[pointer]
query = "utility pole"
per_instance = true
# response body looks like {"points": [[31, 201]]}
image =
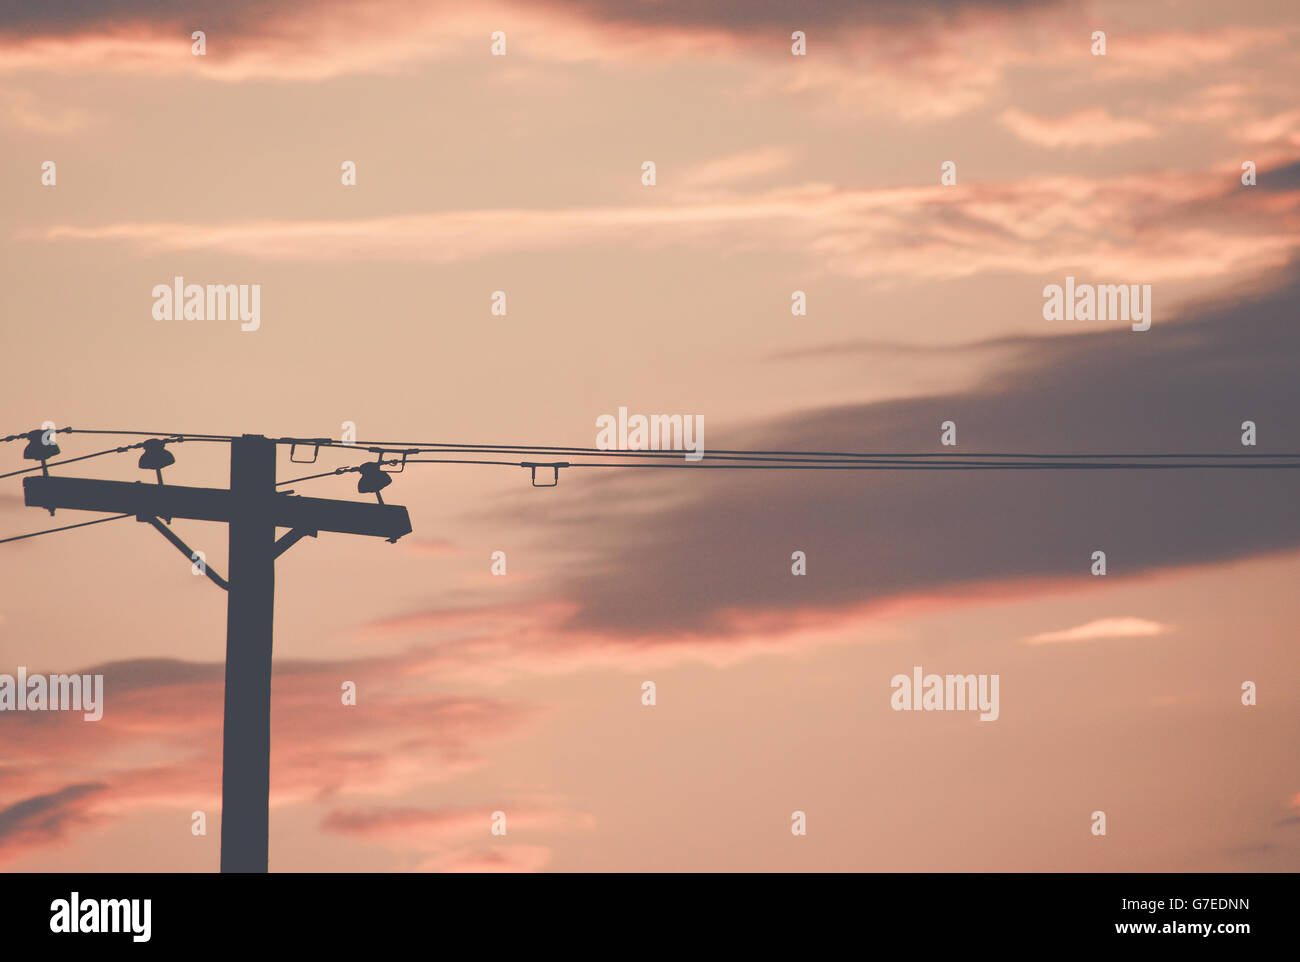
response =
{"points": [[250, 612], [252, 509]]}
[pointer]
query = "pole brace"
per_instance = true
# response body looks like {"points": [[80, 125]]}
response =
{"points": [[184, 549], [285, 542]]}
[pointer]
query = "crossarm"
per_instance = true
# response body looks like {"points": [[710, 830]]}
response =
{"points": [[389, 521]]}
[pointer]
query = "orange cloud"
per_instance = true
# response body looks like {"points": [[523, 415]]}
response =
{"points": [[43, 819], [1102, 628], [446, 839], [409, 824], [738, 167], [506, 858], [20, 108], [159, 743], [921, 61], [1158, 225], [1090, 127]]}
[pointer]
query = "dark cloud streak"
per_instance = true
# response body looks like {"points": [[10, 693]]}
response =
{"points": [[872, 536], [255, 17]]}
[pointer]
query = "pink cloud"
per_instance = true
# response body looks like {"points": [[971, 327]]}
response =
{"points": [[1157, 225], [503, 858], [21, 108], [170, 731], [743, 166], [1102, 629], [410, 824], [1180, 51], [41, 820], [1089, 127], [918, 61], [460, 840]]}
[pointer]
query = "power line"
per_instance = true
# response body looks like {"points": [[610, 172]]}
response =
{"points": [[737, 460], [170, 435], [807, 459], [253, 510], [887, 466], [806, 465], [66, 527], [754, 459], [895, 466], [431, 446], [83, 457], [721, 454], [178, 435], [810, 457], [413, 447], [357, 467]]}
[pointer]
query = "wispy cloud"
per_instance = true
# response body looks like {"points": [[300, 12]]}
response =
{"points": [[21, 108], [1089, 127], [42, 819], [503, 858], [700, 549], [1101, 629], [1158, 225], [738, 167], [461, 839], [165, 716]]}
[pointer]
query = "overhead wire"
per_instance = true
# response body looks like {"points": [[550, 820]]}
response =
{"points": [[83, 457], [806, 464], [178, 435], [716, 459], [430, 446], [66, 527]]}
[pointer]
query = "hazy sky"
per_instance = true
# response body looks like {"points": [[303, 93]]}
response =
{"points": [[775, 173]]}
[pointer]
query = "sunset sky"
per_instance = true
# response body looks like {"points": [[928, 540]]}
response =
{"points": [[775, 173]]}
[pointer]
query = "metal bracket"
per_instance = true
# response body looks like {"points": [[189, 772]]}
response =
{"points": [[184, 549], [553, 465], [315, 450], [401, 465]]}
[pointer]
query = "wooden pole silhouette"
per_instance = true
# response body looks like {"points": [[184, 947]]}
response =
{"points": [[250, 613], [252, 509]]}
